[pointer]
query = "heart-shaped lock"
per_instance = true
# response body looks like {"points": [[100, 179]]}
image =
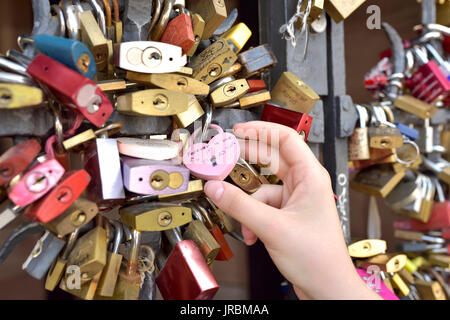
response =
{"points": [[213, 160]]}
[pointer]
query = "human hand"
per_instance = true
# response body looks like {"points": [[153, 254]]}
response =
{"points": [[298, 221]]}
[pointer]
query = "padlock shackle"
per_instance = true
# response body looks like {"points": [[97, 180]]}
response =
{"points": [[118, 236]]}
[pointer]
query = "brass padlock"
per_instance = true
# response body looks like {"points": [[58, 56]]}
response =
{"points": [[385, 138], [194, 112], [377, 180], [212, 62], [170, 81], [246, 177], [387, 262], [93, 37], [14, 96], [293, 94], [214, 12], [81, 212], [429, 290], [155, 216], [341, 9], [153, 102], [358, 148], [195, 189], [367, 248], [415, 106], [82, 138], [229, 93], [400, 285], [198, 26]]}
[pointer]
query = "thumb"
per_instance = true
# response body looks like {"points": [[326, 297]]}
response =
{"points": [[250, 212]]}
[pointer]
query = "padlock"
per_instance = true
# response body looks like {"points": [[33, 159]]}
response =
{"points": [[102, 162], [382, 290], [14, 96], [150, 177], [245, 176], [198, 26], [428, 83], [415, 106], [94, 38], [185, 275], [377, 180], [60, 198], [440, 260], [443, 173], [128, 283], [213, 62], [194, 190], [80, 213], [406, 276], [213, 160], [229, 93], [117, 23], [17, 158], [386, 262], [153, 102], [193, 113], [293, 94], [367, 248], [214, 13], [251, 100], [71, 53], [170, 81], [197, 232], [36, 182], [430, 290], [439, 219], [359, 141], [385, 138], [416, 236], [416, 247], [150, 149], [80, 140], [45, 251], [179, 32], [71, 88], [341, 9], [111, 270], [237, 36], [225, 252], [256, 60], [58, 268], [317, 7], [149, 57], [300, 122], [155, 216], [217, 216], [400, 285]]}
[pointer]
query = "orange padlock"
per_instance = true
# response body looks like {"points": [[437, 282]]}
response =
{"points": [[179, 31]]}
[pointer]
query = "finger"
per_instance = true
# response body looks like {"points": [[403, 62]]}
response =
{"points": [[250, 212], [292, 147], [270, 194], [249, 236]]}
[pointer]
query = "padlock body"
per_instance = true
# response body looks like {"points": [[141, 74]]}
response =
{"points": [[295, 120], [186, 275], [179, 33], [359, 145], [225, 252], [439, 219], [36, 183], [72, 89]]}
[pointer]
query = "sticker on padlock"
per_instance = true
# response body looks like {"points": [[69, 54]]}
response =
{"points": [[72, 89], [149, 57], [213, 160], [150, 149], [60, 198], [17, 158], [36, 182], [378, 286], [150, 177]]}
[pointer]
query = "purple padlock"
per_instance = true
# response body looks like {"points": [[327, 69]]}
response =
{"points": [[36, 182], [152, 177]]}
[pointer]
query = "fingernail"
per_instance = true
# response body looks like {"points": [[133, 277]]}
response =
{"points": [[214, 190]]}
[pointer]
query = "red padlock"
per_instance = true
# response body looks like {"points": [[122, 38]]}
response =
{"points": [[72, 89], [428, 83], [300, 122], [256, 85], [17, 159], [185, 274], [179, 31], [440, 218], [60, 198]]}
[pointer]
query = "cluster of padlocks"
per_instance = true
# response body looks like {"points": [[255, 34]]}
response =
{"points": [[399, 152], [123, 211]]}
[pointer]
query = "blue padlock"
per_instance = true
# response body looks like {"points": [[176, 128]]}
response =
{"points": [[71, 53], [411, 133]]}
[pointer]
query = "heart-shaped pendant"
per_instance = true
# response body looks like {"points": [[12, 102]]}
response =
{"points": [[213, 160]]}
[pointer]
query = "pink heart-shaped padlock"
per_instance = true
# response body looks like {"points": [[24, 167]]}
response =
{"points": [[213, 160]]}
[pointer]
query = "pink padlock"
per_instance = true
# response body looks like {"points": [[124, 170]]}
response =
{"points": [[378, 285], [36, 182], [213, 160], [151, 177]]}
